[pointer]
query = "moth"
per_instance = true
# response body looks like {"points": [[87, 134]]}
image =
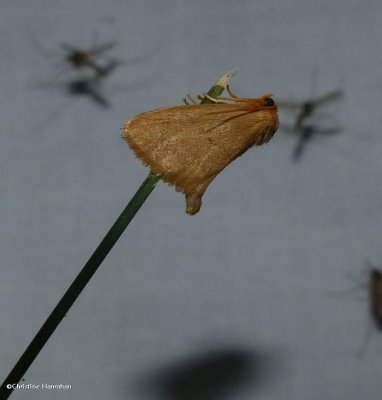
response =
{"points": [[188, 145]]}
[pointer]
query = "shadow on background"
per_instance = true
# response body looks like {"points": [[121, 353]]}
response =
{"points": [[88, 87], [217, 374], [306, 134]]}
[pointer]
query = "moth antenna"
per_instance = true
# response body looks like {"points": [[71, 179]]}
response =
{"points": [[238, 99], [235, 99]]}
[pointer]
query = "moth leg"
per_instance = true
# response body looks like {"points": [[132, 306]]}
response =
{"points": [[212, 99], [231, 93], [192, 98], [194, 198]]}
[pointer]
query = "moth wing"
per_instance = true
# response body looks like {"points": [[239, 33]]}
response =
{"points": [[189, 145]]}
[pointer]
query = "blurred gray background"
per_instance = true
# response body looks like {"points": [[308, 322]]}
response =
{"points": [[259, 296]]}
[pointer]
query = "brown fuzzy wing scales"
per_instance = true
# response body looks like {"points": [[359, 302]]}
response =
{"points": [[189, 145]]}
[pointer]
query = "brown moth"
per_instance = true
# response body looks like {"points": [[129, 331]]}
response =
{"points": [[188, 145]]}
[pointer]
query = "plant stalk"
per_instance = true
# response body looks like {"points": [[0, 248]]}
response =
{"points": [[91, 267]]}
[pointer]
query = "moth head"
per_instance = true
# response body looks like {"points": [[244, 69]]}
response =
{"points": [[267, 100]]}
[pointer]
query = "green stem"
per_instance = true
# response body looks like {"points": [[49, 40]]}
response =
{"points": [[77, 286], [218, 88], [90, 268]]}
